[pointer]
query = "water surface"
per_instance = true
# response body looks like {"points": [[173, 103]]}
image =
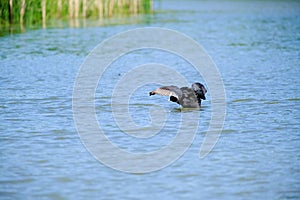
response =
{"points": [[256, 48]]}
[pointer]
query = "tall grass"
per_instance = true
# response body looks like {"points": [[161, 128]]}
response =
{"points": [[39, 12]]}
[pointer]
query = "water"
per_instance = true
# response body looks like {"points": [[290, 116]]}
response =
{"points": [[256, 48]]}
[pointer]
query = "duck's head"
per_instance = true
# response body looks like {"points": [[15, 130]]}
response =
{"points": [[199, 90]]}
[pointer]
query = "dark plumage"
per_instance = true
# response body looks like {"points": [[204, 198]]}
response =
{"points": [[185, 96]]}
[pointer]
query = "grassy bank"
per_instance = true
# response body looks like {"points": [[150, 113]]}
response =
{"points": [[39, 12]]}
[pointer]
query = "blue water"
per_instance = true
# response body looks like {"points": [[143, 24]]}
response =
{"points": [[256, 46]]}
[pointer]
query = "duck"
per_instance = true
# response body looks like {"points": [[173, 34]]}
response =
{"points": [[187, 97]]}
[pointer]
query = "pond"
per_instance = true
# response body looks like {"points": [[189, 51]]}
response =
{"points": [[256, 47]]}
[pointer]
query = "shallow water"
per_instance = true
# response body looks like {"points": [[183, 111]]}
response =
{"points": [[256, 46]]}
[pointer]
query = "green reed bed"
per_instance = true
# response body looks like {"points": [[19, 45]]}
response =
{"points": [[40, 12]]}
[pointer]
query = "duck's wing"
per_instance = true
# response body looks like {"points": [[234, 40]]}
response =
{"points": [[172, 91]]}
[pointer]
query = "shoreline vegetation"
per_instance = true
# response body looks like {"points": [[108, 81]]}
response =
{"points": [[39, 13]]}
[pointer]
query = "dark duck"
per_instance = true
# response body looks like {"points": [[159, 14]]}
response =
{"points": [[185, 96]]}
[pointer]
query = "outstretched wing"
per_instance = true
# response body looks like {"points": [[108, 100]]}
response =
{"points": [[172, 91]]}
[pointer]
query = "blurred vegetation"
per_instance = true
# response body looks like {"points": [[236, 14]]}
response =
{"points": [[40, 12]]}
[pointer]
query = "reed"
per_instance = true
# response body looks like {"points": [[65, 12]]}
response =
{"points": [[39, 12]]}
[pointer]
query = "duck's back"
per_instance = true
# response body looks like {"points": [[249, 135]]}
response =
{"points": [[188, 98]]}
